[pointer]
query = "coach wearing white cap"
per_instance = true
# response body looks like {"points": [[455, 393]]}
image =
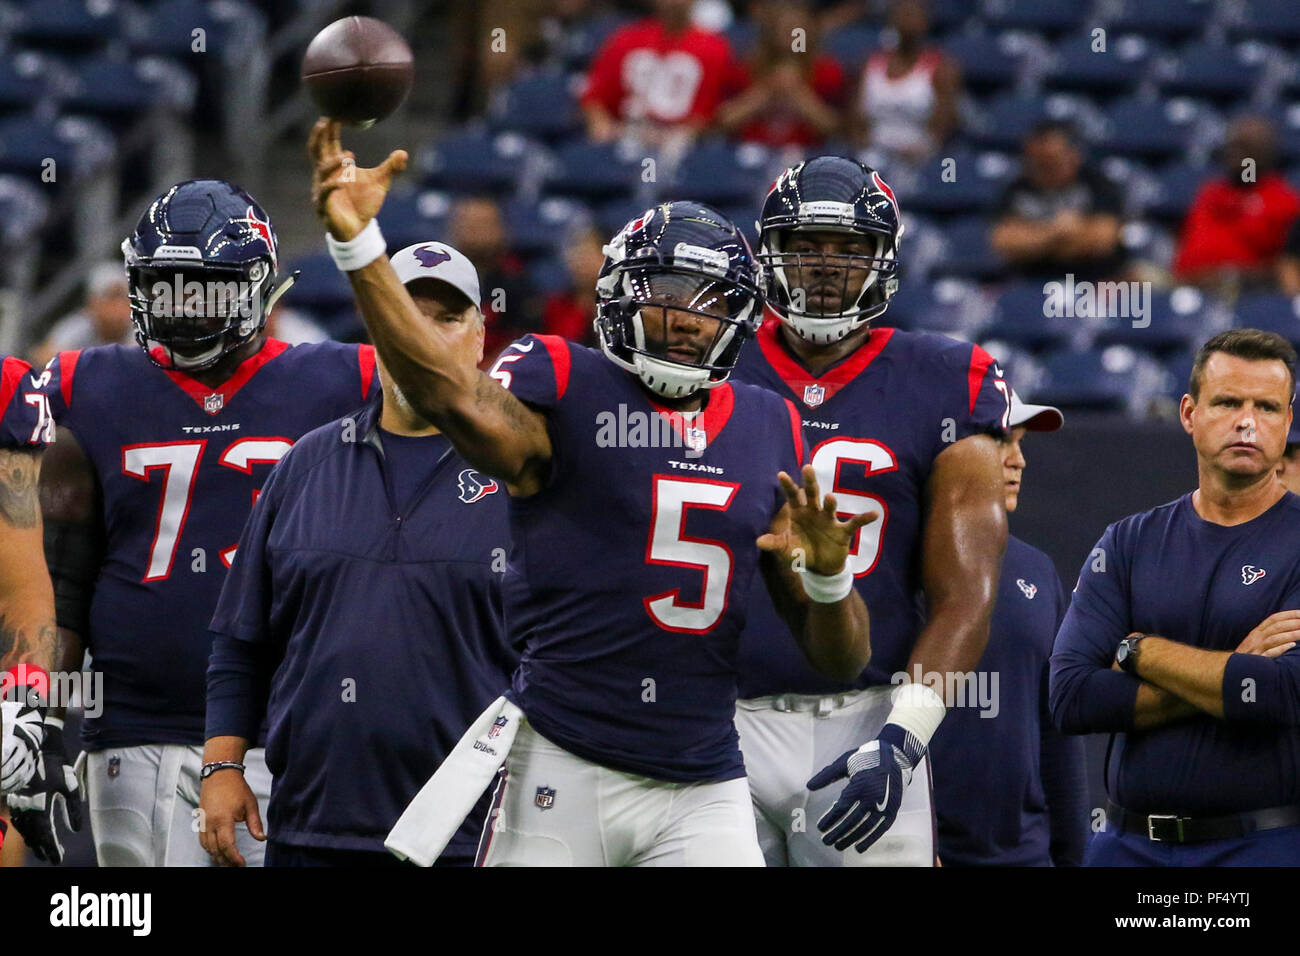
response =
{"points": [[361, 618], [1009, 790]]}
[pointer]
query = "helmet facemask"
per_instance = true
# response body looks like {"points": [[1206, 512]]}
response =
{"points": [[678, 327]]}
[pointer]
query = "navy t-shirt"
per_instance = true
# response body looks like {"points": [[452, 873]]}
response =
{"points": [[1171, 573]]}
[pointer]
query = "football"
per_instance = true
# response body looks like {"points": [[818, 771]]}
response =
{"points": [[358, 70]]}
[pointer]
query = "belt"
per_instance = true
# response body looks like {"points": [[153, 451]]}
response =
{"points": [[819, 704], [1172, 828]]}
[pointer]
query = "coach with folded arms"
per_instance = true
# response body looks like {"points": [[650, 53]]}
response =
{"points": [[1180, 639], [362, 617]]}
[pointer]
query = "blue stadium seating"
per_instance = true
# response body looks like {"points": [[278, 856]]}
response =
{"points": [[1178, 372], [948, 15], [594, 171], [321, 288], [66, 26], [1119, 68], [1270, 311], [943, 307], [167, 29], [1091, 379], [26, 143], [1177, 320], [1150, 129], [1269, 20], [1004, 121], [722, 174], [1176, 186], [1018, 317], [114, 90], [408, 218], [580, 42], [20, 89], [986, 63], [1212, 70], [967, 251], [472, 160], [548, 276], [1040, 16], [1171, 19], [851, 45], [972, 189], [1019, 366], [543, 106], [541, 228], [23, 207]]}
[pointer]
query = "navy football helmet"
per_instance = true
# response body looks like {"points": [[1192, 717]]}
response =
{"points": [[201, 269], [821, 296], [677, 297]]}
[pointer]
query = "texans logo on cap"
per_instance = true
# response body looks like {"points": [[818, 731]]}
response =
{"points": [[432, 257]]}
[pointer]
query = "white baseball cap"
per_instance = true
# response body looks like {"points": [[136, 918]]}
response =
{"points": [[1036, 418], [437, 260]]}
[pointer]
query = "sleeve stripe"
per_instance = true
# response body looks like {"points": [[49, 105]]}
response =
{"points": [[979, 365], [366, 358], [558, 348], [11, 373], [796, 426], [67, 366]]}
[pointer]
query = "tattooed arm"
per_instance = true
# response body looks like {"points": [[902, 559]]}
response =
{"points": [[494, 431], [27, 633]]}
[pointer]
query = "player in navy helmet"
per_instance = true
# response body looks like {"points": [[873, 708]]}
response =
{"points": [[644, 487], [161, 452], [901, 425]]}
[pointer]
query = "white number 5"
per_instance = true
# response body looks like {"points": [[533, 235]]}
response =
{"points": [[670, 545]]}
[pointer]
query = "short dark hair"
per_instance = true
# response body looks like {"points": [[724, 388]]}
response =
{"points": [[1254, 345]]}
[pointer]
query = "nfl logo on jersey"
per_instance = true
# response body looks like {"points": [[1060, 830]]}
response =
{"points": [[813, 395], [545, 798], [114, 766], [696, 439], [497, 726], [213, 403]]}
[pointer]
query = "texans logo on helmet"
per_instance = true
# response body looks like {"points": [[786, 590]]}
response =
{"points": [[884, 188], [262, 229], [473, 487], [431, 257]]}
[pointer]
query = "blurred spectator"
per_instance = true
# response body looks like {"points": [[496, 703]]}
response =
{"points": [[104, 318], [289, 325], [1237, 225], [570, 313], [478, 230], [907, 100], [790, 94], [1058, 217], [660, 78], [1288, 469]]}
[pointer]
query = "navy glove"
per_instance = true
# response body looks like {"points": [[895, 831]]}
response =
{"points": [[877, 774], [53, 792]]}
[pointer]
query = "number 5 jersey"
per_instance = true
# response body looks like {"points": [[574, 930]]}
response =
{"points": [[179, 465]]}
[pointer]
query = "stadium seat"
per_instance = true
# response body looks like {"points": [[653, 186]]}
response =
{"points": [[949, 15], [1119, 68], [1270, 311], [321, 288], [21, 85], [1004, 121], [959, 183], [26, 143], [167, 29], [543, 106], [409, 218], [1178, 372], [539, 229], [948, 306], [1170, 19], [1092, 379], [474, 160], [1286, 120], [577, 45], [722, 174], [987, 60], [1019, 367], [852, 45], [967, 251], [1175, 320], [595, 171], [66, 26], [23, 208], [1174, 188], [1212, 70], [1274, 21], [1019, 317], [1052, 17], [1148, 129], [548, 275], [118, 91]]}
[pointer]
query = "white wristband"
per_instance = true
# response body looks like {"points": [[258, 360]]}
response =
{"points": [[358, 252], [918, 710], [827, 588]]}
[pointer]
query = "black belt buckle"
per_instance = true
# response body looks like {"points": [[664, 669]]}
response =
{"points": [[1168, 824]]}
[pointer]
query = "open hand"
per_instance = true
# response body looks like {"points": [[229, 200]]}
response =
{"points": [[347, 196], [808, 524]]}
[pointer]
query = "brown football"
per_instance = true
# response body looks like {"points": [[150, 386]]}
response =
{"points": [[358, 70]]}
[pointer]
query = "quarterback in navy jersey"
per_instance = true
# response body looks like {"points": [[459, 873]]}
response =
{"points": [[27, 638], [643, 486], [162, 450], [901, 425]]}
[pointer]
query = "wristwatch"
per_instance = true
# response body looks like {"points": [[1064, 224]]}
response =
{"points": [[1126, 655], [210, 768]]}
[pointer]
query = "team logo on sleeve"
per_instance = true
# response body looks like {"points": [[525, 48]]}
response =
{"points": [[473, 487], [814, 395], [1250, 574], [1029, 589], [498, 725], [545, 798]]}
